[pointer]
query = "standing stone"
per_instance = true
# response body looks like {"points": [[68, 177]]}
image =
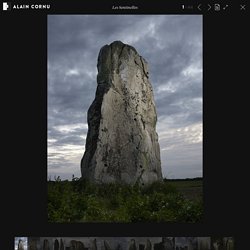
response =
{"points": [[228, 243], [167, 243], [73, 244], [93, 245], [20, 245], [119, 247], [61, 245], [56, 245], [106, 245], [46, 245], [192, 243], [217, 243], [80, 245], [204, 243], [76, 245], [148, 245], [32, 244], [132, 245], [122, 143]]}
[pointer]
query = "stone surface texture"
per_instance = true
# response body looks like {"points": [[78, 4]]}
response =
{"points": [[122, 143], [20, 245]]}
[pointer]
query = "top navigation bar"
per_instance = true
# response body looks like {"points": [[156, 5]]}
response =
{"points": [[124, 7]]}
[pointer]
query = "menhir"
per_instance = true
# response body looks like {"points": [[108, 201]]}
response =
{"points": [[122, 143]]}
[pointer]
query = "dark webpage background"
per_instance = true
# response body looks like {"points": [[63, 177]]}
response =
{"points": [[24, 121]]}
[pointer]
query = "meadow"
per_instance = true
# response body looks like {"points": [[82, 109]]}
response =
{"points": [[168, 201]]}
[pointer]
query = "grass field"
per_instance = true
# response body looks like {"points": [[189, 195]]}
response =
{"points": [[190, 188], [167, 201]]}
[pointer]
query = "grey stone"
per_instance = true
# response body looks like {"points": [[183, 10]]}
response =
{"points": [[148, 245], [106, 245], [189, 243], [73, 244], [119, 247], [20, 245], [76, 245], [61, 244], [167, 243], [204, 243], [32, 245], [93, 245], [228, 243], [141, 247], [46, 245], [132, 245], [56, 245], [192, 243], [122, 143], [80, 245]]}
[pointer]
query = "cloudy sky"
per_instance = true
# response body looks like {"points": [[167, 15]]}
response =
{"points": [[172, 46]]}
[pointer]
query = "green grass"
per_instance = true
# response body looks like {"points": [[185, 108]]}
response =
{"points": [[190, 188], [80, 201]]}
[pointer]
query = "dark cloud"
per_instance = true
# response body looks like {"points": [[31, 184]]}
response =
{"points": [[172, 45], [70, 140]]}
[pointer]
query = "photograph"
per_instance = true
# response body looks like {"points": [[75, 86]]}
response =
{"points": [[186, 243], [222, 243], [124, 118], [204, 243]]}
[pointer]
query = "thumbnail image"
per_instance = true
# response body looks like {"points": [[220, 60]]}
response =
{"points": [[186, 243], [222, 243], [21, 243], [204, 243], [167, 243]]}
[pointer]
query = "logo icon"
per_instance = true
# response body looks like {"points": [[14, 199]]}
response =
{"points": [[6, 5]]}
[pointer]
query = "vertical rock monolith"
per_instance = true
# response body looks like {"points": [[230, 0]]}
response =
{"points": [[20, 245], [46, 245], [122, 143]]}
